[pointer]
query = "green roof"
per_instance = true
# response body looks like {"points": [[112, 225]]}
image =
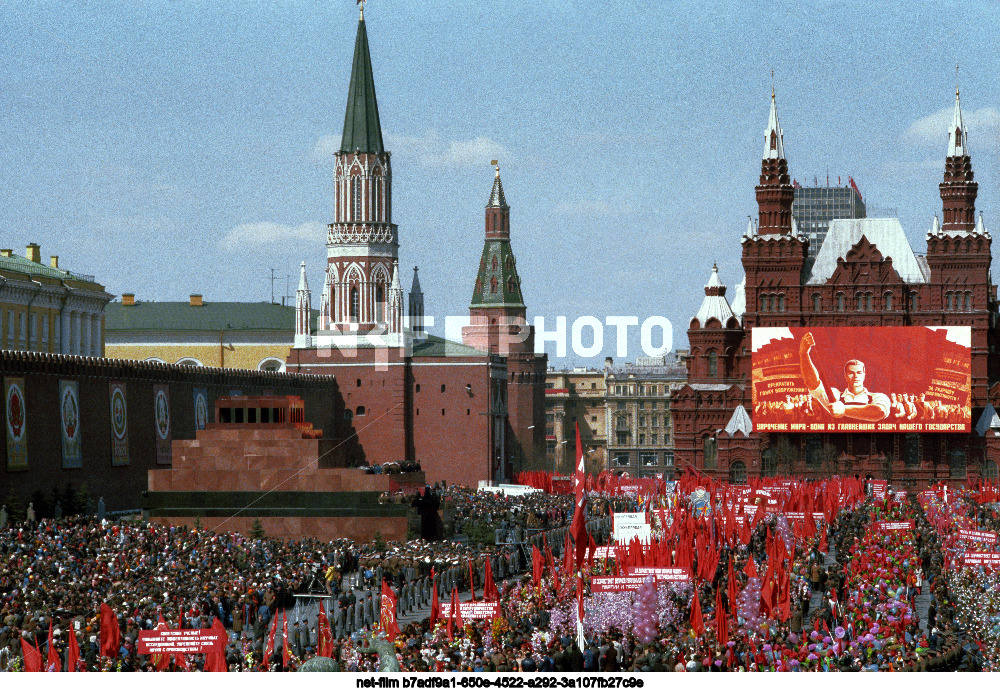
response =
{"points": [[24, 265], [438, 347], [210, 316], [497, 270], [362, 131]]}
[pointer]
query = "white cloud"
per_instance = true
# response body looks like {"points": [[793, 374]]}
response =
{"points": [[983, 127], [326, 147], [430, 150], [250, 235]]}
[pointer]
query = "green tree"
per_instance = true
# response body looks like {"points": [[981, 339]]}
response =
{"points": [[15, 509], [84, 499], [257, 530], [829, 459], [785, 454]]}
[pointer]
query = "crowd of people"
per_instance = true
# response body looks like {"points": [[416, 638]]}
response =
{"points": [[765, 592]]}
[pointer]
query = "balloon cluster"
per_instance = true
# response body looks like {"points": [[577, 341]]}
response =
{"points": [[748, 606], [647, 605], [784, 531]]}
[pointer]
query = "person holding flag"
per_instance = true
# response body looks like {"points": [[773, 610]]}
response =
{"points": [[324, 644], [579, 526], [387, 612]]}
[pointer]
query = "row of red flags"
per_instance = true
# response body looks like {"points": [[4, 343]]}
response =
{"points": [[110, 642]]}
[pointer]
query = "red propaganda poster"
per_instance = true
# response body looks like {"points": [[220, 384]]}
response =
{"points": [[862, 379]]}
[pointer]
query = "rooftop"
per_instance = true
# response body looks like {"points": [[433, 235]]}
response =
{"points": [[209, 316]]}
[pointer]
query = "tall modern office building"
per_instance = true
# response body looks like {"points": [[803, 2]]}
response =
{"points": [[814, 208]]}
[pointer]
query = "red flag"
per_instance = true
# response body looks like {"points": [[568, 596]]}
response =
{"points": [[73, 652], [32, 657], [854, 186], [435, 604], [537, 565], [215, 662], [550, 561], [697, 623], [269, 649], [750, 568], [721, 624], [579, 526], [324, 635], [160, 661], [567, 565], [110, 633], [731, 581], [285, 653], [387, 617], [579, 598], [490, 592], [53, 664], [455, 619]]}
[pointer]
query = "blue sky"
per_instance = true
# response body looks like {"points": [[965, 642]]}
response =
{"points": [[183, 147]]}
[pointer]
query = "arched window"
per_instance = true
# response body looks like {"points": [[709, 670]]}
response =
{"points": [[781, 303], [271, 365], [355, 308], [379, 303], [988, 470], [968, 301], [956, 463], [713, 364], [914, 301], [493, 285], [887, 300], [768, 463], [356, 198], [868, 302], [860, 297], [711, 452], [814, 447], [511, 286], [360, 411], [840, 302], [376, 199], [911, 449], [817, 302], [493, 264], [949, 301], [738, 473]]}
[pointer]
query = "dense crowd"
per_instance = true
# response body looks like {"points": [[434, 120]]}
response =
{"points": [[59, 572], [762, 593]]}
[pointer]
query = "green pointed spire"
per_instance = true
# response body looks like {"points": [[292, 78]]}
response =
{"points": [[497, 283], [362, 131]]}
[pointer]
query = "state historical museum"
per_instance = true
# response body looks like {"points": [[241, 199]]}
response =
{"points": [[865, 358]]}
